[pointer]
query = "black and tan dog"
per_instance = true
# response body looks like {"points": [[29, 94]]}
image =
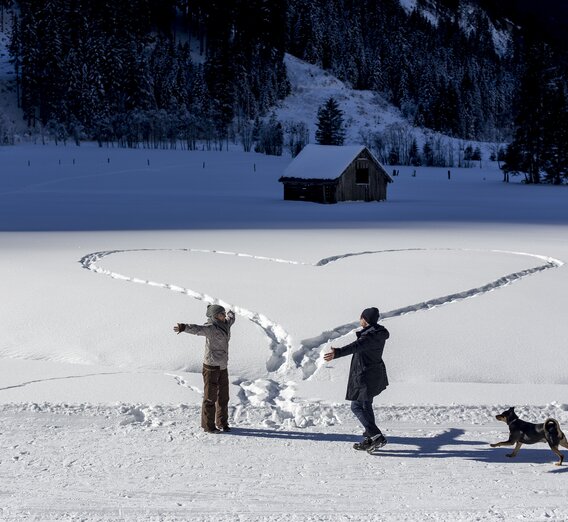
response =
{"points": [[522, 432]]}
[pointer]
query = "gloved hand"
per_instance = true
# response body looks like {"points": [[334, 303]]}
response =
{"points": [[180, 327]]}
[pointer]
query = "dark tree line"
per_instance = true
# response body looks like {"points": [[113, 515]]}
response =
{"points": [[121, 70], [440, 76], [540, 143], [448, 79], [88, 65]]}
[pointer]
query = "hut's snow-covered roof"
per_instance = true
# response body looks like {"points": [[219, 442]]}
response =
{"points": [[322, 161]]}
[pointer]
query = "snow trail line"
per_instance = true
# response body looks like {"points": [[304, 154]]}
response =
{"points": [[280, 341], [67, 377], [284, 356], [307, 356]]}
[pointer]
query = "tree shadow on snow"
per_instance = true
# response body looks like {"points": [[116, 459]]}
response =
{"points": [[447, 444]]}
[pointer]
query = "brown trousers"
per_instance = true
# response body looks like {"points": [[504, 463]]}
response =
{"points": [[215, 409]]}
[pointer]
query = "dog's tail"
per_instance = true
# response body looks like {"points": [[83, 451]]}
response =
{"points": [[552, 432]]}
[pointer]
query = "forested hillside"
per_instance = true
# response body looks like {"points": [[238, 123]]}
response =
{"points": [[121, 69], [159, 71]]}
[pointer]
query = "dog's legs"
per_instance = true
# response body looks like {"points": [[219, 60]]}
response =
{"points": [[560, 456], [516, 450], [563, 442], [504, 443]]}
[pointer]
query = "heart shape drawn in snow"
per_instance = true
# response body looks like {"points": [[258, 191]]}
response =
{"points": [[284, 355]]}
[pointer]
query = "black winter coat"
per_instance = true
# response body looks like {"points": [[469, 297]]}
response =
{"points": [[368, 373]]}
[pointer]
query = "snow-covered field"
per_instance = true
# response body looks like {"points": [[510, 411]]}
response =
{"points": [[102, 251]]}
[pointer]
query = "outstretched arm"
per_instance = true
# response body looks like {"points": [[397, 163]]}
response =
{"points": [[362, 344], [194, 329]]}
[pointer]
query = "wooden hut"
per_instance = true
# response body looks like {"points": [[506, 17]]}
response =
{"points": [[329, 173]]}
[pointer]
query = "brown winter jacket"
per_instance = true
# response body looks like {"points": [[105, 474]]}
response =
{"points": [[217, 336]]}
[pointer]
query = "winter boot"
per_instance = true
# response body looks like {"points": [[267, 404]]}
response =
{"points": [[364, 445], [376, 442]]}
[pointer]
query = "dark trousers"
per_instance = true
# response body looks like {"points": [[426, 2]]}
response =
{"points": [[215, 408], [363, 410]]}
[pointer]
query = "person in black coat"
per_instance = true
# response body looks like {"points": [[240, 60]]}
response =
{"points": [[367, 375]]}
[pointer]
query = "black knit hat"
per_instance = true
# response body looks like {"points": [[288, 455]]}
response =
{"points": [[371, 315]]}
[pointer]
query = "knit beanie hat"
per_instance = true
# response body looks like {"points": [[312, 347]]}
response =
{"points": [[213, 310], [371, 315]]}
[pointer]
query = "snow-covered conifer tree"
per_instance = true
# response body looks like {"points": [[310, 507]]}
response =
{"points": [[330, 128]]}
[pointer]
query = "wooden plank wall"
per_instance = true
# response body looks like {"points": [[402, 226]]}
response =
{"points": [[349, 190]]}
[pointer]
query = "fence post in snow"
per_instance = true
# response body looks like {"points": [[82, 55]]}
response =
{"points": [[203, 164], [254, 167], [449, 175]]}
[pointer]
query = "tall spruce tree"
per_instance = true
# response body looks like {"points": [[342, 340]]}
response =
{"points": [[330, 129]]}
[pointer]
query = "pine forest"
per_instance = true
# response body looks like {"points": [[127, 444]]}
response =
{"points": [[123, 71]]}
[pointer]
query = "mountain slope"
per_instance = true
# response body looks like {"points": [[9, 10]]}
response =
{"points": [[364, 111], [369, 119]]}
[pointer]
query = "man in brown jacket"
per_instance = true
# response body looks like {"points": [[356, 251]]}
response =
{"points": [[217, 332]]}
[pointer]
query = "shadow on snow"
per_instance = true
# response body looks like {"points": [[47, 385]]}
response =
{"points": [[447, 444]]}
